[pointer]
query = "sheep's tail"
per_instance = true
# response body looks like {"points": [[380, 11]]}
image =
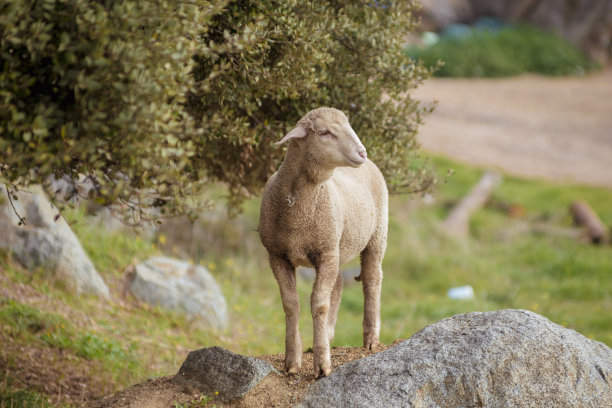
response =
{"points": [[358, 278]]}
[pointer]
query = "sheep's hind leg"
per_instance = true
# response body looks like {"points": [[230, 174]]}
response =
{"points": [[320, 300], [371, 279], [284, 273]]}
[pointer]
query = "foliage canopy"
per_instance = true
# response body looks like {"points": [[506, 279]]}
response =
{"points": [[153, 100]]}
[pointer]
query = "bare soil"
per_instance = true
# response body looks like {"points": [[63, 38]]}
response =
{"points": [[555, 129], [60, 374], [276, 390]]}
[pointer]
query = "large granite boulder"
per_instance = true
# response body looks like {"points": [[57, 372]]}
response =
{"points": [[46, 240], [180, 286], [507, 358]]}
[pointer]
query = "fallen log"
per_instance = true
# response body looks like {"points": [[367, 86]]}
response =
{"points": [[457, 222], [585, 216]]}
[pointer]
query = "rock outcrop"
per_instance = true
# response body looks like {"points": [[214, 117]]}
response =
{"points": [[46, 240], [180, 286], [507, 358]]}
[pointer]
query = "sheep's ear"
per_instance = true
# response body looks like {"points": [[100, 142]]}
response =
{"points": [[296, 133]]}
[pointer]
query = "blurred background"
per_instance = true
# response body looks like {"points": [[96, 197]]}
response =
{"points": [[538, 126], [521, 146]]}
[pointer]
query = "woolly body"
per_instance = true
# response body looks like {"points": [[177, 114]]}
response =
{"points": [[299, 226], [324, 206]]}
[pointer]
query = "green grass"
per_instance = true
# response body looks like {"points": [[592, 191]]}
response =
{"points": [[201, 402], [512, 50], [31, 325], [110, 252], [507, 263], [23, 399]]}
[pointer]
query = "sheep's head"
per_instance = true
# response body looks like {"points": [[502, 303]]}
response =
{"points": [[328, 138]]}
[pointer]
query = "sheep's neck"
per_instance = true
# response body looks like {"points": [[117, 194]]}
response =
{"points": [[302, 174]]}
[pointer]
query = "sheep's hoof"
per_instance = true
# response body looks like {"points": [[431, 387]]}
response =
{"points": [[323, 370], [292, 368], [370, 342]]}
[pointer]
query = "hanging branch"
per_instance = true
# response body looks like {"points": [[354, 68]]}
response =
{"points": [[21, 220]]}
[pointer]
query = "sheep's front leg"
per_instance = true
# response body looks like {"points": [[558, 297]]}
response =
{"points": [[327, 273], [371, 278], [336, 295], [284, 273]]}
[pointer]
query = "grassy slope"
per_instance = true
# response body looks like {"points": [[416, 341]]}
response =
{"points": [[509, 267]]}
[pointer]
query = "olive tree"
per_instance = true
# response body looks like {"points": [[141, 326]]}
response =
{"points": [[263, 64], [152, 100]]}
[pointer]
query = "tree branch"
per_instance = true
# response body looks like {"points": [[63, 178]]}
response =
{"points": [[21, 220]]}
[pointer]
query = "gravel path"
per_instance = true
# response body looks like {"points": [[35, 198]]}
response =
{"points": [[556, 129]]}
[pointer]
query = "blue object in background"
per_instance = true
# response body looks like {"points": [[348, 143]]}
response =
{"points": [[457, 31], [461, 292], [489, 23], [464, 30]]}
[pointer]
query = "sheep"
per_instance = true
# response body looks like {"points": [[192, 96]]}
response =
{"points": [[326, 204]]}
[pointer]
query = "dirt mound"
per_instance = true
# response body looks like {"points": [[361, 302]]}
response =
{"points": [[276, 390]]}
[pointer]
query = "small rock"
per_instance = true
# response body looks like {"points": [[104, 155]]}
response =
{"points": [[215, 371], [180, 286]]}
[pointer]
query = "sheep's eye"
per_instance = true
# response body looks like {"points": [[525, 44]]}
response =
{"points": [[327, 134]]}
